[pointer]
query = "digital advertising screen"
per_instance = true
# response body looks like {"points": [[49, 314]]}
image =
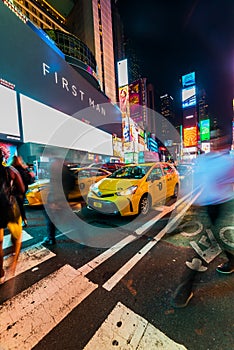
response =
{"points": [[135, 101], [205, 129], [124, 100], [9, 130], [190, 136], [152, 145], [9, 150], [189, 117], [188, 80], [189, 97], [122, 68], [61, 129]]}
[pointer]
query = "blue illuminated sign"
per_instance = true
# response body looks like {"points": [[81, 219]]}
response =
{"points": [[188, 79], [152, 145]]}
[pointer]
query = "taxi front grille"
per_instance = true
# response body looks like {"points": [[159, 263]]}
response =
{"points": [[107, 195]]}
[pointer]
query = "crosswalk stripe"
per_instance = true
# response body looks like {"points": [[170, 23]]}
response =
{"points": [[7, 239], [28, 259], [31, 315], [124, 329]]}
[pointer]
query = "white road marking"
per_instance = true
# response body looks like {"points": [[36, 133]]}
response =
{"points": [[7, 239], [91, 265], [108, 285], [124, 329], [32, 314], [28, 259]]}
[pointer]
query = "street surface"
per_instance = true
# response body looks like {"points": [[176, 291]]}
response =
{"points": [[74, 296]]}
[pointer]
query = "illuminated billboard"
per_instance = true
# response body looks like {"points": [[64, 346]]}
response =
{"points": [[190, 136], [188, 80], [205, 129], [9, 150], [61, 129], [189, 97], [135, 100], [189, 117], [9, 129], [122, 68], [124, 100]]}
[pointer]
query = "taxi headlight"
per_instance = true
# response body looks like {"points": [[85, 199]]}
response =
{"points": [[94, 188], [127, 192], [35, 190]]}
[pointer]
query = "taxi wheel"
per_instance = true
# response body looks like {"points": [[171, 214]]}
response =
{"points": [[176, 191], [144, 205]]}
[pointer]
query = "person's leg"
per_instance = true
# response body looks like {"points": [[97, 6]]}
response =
{"points": [[51, 229], [2, 273], [184, 292], [220, 218], [20, 201], [228, 266], [15, 229]]}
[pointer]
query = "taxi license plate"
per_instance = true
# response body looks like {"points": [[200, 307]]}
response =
{"points": [[97, 204]]}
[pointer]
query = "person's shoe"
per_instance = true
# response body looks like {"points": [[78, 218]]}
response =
{"points": [[226, 268], [182, 295], [49, 241], [25, 223], [2, 279]]}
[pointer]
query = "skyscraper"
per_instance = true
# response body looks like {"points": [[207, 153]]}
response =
{"points": [[91, 21], [202, 105], [168, 112]]}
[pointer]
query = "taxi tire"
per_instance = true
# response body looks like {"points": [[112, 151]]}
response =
{"points": [[144, 205], [176, 191]]}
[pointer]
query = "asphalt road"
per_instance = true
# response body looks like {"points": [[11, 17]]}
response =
{"points": [[125, 290]]}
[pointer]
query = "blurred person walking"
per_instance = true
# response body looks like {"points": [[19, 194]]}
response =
{"points": [[59, 175], [10, 216], [28, 179], [214, 176]]}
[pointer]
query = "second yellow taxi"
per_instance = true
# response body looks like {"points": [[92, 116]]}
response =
{"points": [[85, 177]]}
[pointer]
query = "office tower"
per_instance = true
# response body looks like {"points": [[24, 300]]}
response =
{"points": [[167, 107], [53, 22], [168, 112], [42, 14], [202, 105], [91, 21]]}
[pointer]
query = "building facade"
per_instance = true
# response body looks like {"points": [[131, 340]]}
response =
{"points": [[91, 21], [45, 102]]}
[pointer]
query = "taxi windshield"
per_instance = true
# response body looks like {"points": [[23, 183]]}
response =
{"points": [[130, 172]]}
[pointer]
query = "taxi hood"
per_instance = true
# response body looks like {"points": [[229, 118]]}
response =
{"points": [[115, 185]]}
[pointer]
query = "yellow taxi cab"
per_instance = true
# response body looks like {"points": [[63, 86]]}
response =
{"points": [[134, 189], [85, 177]]}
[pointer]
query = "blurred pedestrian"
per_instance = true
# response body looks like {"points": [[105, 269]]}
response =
{"points": [[10, 217], [27, 178], [60, 174], [214, 177]]}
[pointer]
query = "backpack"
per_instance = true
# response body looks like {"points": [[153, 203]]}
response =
{"points": [[8, 204], [27, 178]]}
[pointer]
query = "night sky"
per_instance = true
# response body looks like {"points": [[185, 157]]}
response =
{"points": [[176, 37]]}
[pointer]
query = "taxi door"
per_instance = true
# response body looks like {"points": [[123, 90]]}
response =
{"points": [[156, 184], [170, 179]]}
